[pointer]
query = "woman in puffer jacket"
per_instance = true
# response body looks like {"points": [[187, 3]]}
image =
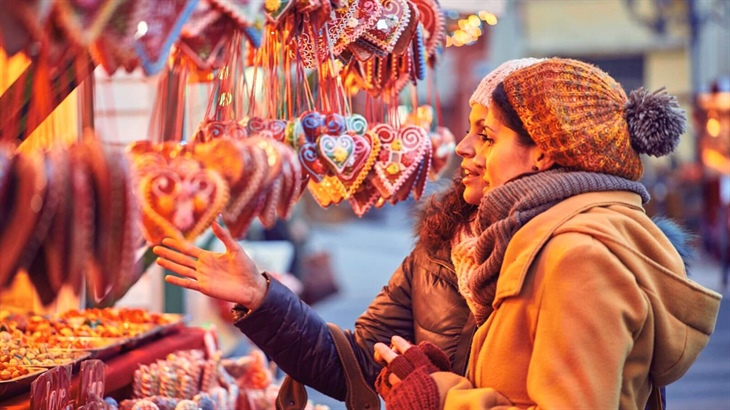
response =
{"points": [[421, 301]]}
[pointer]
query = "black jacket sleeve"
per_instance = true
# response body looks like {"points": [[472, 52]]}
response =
{"points": [[298, 341]]}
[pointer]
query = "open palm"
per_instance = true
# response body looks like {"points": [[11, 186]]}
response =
{"points": [[230, 276]]}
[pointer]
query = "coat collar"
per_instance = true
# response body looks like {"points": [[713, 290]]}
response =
{"points": [[529, 240]]}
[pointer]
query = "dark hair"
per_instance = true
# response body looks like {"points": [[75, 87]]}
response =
{"points": [[506, 114], [443, 215]]}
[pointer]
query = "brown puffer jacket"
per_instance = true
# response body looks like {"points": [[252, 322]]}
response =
{"points": [[421, 302]]}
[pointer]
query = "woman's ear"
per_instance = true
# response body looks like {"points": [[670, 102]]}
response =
{"points": [[543, 161]]}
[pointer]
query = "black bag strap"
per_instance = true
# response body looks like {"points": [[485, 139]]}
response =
{"points": [[360, 396]]}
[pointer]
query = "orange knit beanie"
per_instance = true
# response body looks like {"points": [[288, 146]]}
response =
{"points": [[582, 118]]}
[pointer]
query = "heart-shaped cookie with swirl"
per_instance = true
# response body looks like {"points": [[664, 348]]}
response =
{"points": [[400, 156], [180, 200]]}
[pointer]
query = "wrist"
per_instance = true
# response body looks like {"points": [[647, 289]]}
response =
{"points": [[243, 308]]}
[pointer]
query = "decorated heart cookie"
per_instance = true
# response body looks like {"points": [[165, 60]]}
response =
{"points": [[311, 123], [225, 156], [356, 124], [400, 156], [311, 162], [367, 147], [394, 19], [409, 30], [48, 269], [363, 199], [327, 192], [181, 200], [276, 129], [336, 151], [114, 47], [204, 35], [365, 15], [243, 191], [433, 23], [22, 207], [163, 24]]}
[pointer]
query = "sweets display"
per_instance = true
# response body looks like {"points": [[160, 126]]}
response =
{"points": [[29, 341]]}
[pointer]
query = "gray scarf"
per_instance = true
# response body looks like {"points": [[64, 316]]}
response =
{"points": [[503, 211]]}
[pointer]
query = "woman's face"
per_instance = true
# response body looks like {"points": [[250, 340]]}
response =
{"points": [[502, 157], [467, 149]]}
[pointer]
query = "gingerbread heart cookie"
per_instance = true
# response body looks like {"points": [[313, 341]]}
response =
{"points": [[400, 156], [180, 200]]}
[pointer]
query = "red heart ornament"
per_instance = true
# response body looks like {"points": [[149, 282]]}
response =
{"points": [[211, 130], [115, 45], [163, 21], [277, 128], [400, 156], [360, 156], [366, 13], [206, 33], [434, 25], [311, 125], [389, 26], [354, 178], [291, 180], [313, 165], [181, 200], [364, 198], [243, 191]]}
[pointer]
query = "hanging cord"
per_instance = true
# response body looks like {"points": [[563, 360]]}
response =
{"points": [[288, 89], [439, 113], [258, 56], [338, 90]]}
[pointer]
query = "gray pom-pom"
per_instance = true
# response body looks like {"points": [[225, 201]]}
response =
{"points": [[655, 121]]}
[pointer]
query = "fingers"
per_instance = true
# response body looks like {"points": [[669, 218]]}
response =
{"points": [[174, 256], [182, 282], [181, 270], [225, 236], [393, 379], [182, 247], [400, 344], [385, 353], [379, 359]]}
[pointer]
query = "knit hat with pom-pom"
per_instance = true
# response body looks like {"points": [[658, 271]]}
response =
{"points": [[483, 94], [582, 118]]}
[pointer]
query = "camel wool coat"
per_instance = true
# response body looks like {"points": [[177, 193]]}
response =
{"points": [[593, 306]]}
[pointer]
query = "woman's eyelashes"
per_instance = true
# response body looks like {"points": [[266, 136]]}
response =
{"points": [[486, 138]]}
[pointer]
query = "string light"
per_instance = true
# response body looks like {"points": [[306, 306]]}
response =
{"points": [[469, 28]]}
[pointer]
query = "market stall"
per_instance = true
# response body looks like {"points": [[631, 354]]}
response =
{"points": [[305, 96]]}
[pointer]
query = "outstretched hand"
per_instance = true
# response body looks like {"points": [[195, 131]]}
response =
{"points": [[230, 276]]}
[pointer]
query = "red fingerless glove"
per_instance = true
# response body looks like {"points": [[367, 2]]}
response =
{"points": [[417, 390]]}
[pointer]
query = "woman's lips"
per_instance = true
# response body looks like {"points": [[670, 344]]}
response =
{"points": [[467, 175]]}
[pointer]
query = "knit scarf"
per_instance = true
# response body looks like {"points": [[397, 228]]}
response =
{"points": [[478, 250]]}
